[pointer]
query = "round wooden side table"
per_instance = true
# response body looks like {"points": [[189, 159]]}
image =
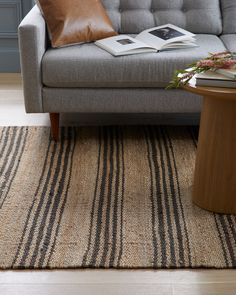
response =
{"points": [[214, 186]]}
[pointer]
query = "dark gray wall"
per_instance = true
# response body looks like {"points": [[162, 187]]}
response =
{"points": [[11, 14]]}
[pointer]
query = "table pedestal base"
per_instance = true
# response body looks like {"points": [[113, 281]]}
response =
{"points": [[215, 173]]}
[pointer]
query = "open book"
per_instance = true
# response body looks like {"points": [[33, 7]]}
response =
{"points": [[164, 37]]}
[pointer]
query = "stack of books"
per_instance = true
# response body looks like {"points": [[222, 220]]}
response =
{"points": [[218, 78]]}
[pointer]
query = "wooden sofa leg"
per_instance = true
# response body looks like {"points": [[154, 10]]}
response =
{"points": [[54, 118]]}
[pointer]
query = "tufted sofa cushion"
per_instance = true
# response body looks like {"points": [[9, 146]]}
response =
{"points": [[134, 16], [229, 16]]}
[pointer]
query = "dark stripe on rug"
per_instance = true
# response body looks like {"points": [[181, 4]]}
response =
{"points": [[51, 196], [116, 201], [5, 140], [55, 194], [220, 235], [122, 198], [232, 222], [174, 196], [9, 146], [106, 228], [181, 216], [3, 133], [32, 205], [165, 196], [66, 193], [36, 215], [60, 197], [155, 196], [173, 199], [222, 219], [13, 165], [92, 215], [96, 247]]}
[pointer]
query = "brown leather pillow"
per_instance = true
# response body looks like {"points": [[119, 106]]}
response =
{"points": [[75, 21]]}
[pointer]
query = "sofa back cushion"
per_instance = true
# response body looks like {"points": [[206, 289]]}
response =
{"points": [[229, 16], [133, 16]]}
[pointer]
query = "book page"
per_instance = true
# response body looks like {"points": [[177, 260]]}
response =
{"points": [[123, 44], [160, 36]]}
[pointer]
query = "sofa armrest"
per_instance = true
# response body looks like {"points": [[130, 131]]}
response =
{"points": [[32, 43]]}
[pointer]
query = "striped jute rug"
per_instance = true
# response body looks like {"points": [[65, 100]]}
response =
{"points": [[117, 197]]}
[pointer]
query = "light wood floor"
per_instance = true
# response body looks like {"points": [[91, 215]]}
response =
{"points": [[99, 282]]}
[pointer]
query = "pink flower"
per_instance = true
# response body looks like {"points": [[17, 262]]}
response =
{"points": [[207, 63], [217, 63], [227, 64]]}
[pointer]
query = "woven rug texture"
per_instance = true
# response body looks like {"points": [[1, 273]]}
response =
{"points": [[106, 197]]}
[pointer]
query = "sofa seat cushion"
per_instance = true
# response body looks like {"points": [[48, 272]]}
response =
{"points": [[230, 41], [89, 66]]}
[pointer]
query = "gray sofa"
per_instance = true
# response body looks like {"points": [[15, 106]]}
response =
{"points": [[86, 79]]}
